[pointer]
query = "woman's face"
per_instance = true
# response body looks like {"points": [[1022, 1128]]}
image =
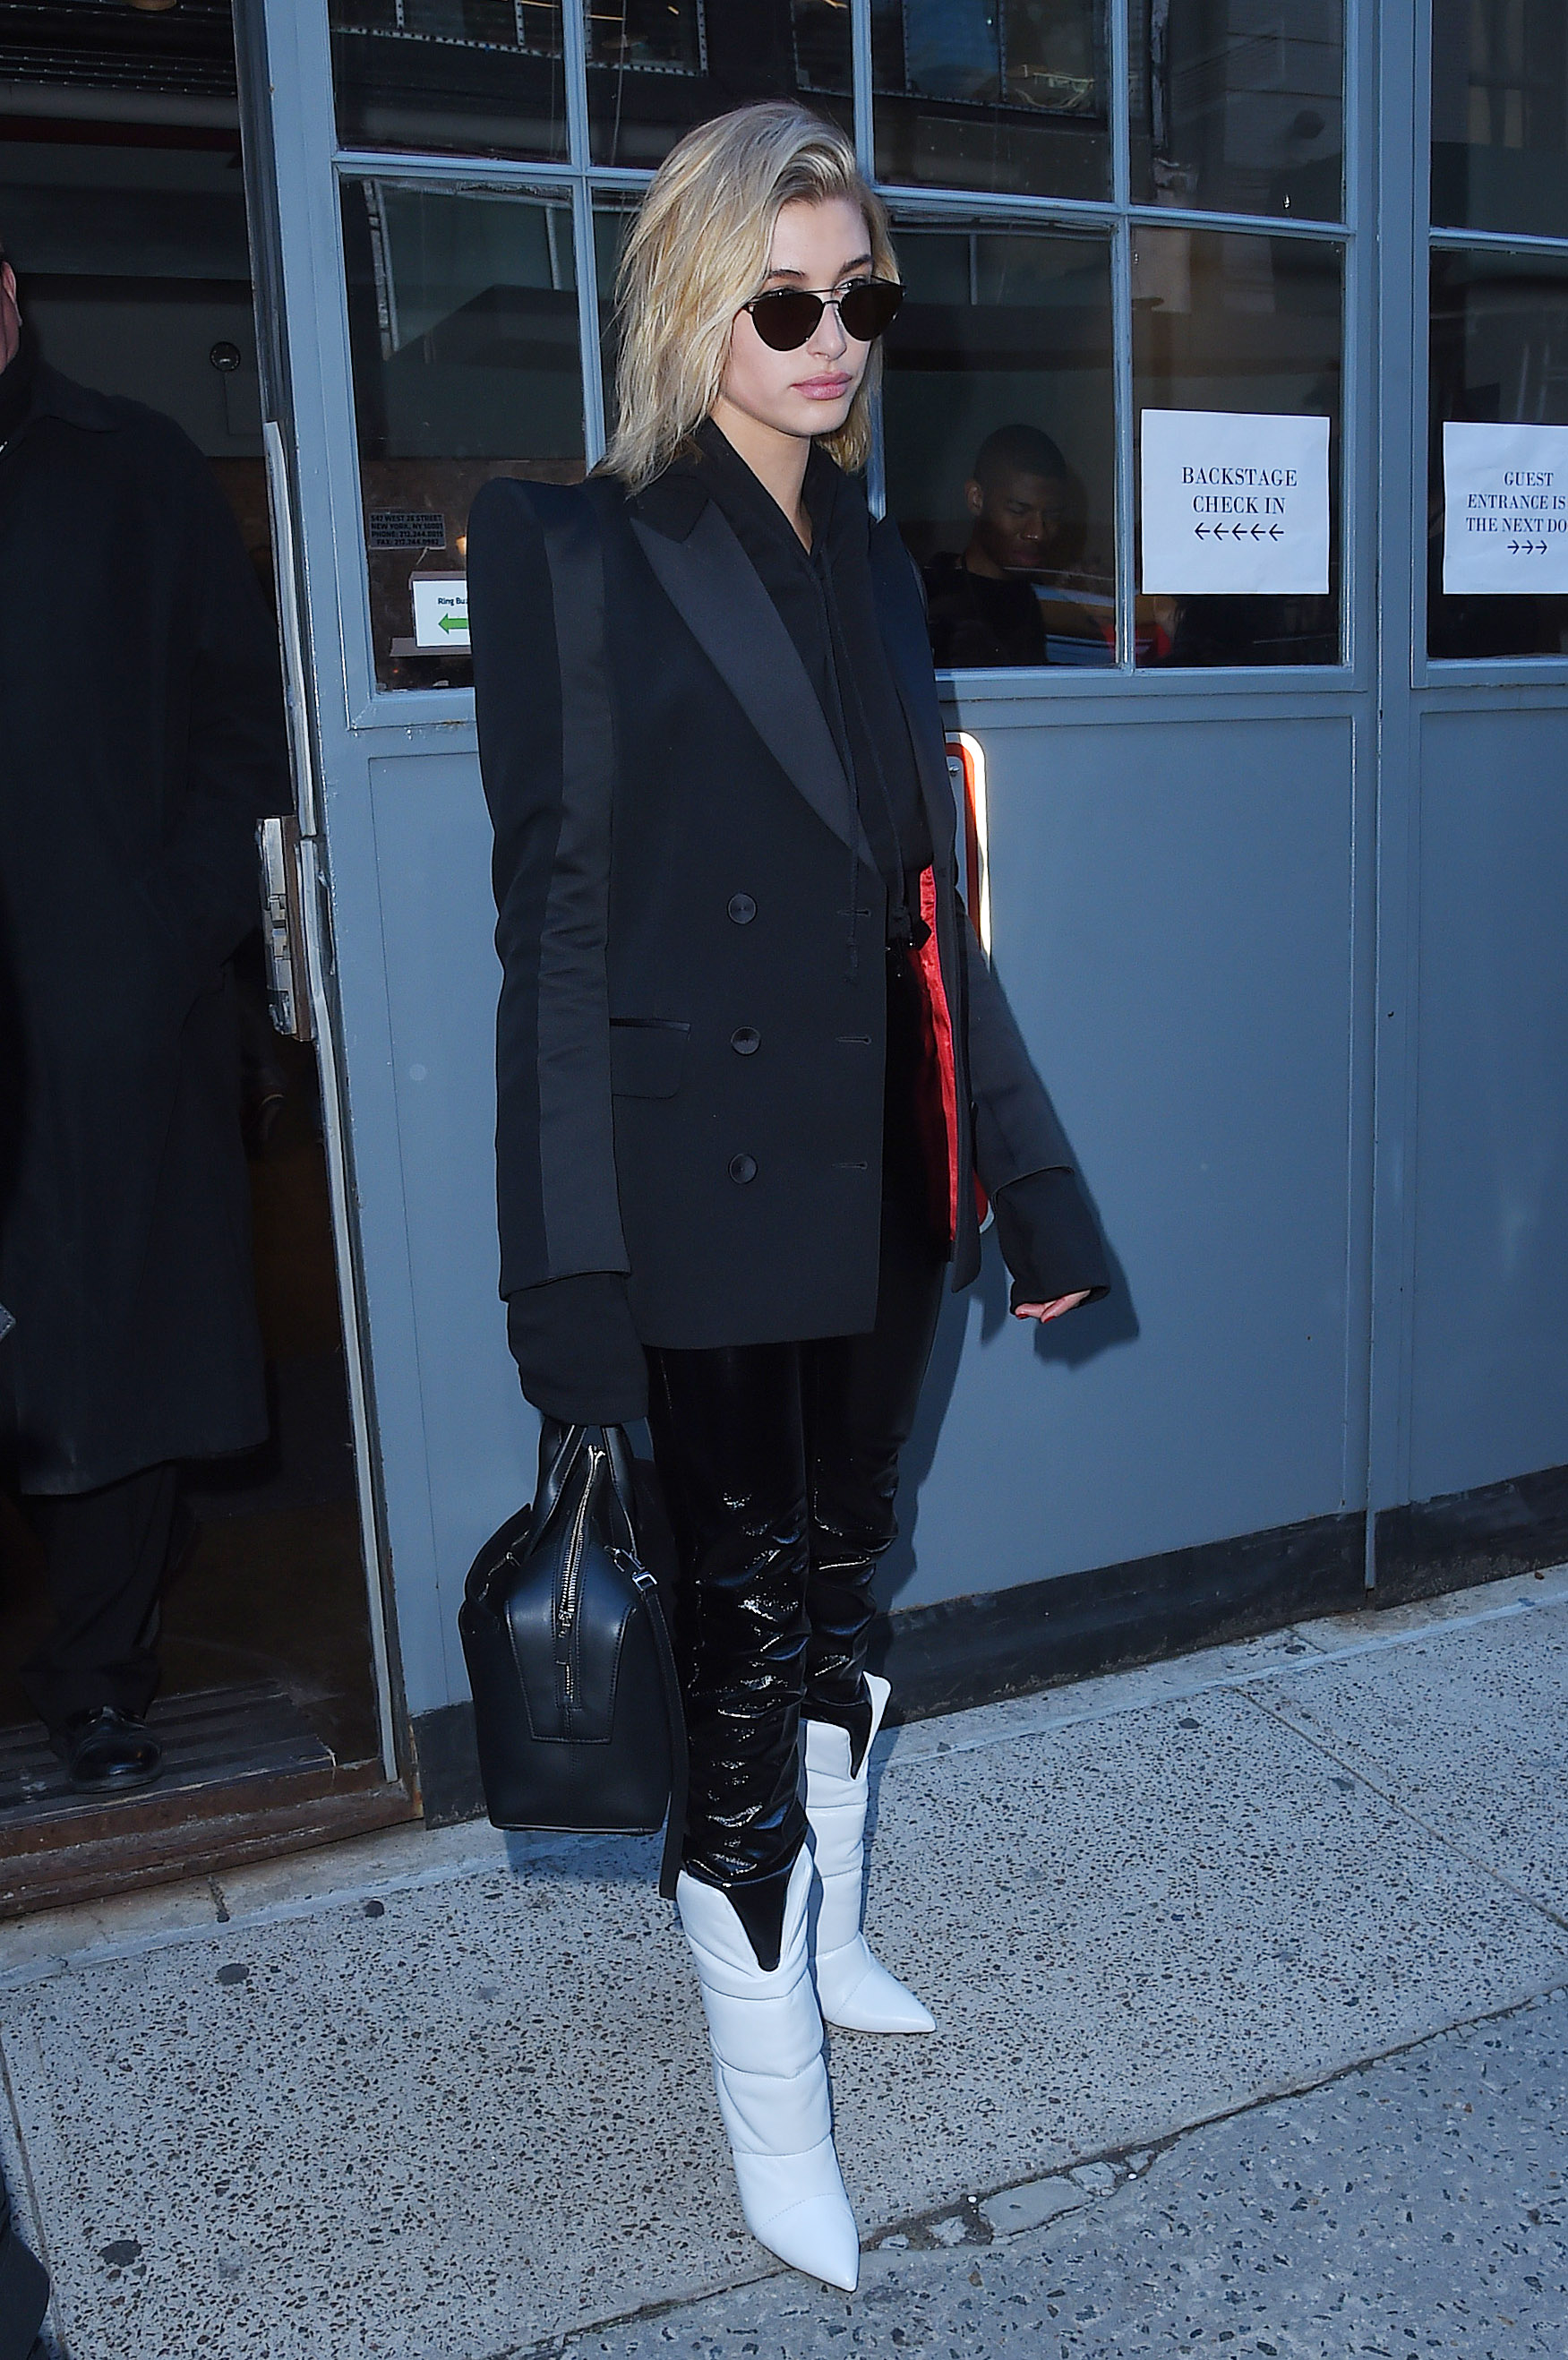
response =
{"points": [[806, 392]]}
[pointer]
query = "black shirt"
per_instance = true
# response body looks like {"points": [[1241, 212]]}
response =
{"points": [[984, 620], [824, 600]]}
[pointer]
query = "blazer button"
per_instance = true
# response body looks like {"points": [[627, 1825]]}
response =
{"points": [[742, 1169], [742, 909], [747, 1041]]}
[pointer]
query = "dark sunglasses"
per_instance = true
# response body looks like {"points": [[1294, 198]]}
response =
{"points": [[786, 317]]}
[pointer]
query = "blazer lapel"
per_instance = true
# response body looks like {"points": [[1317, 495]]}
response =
{"points": [[713, 588], [901, 618]]}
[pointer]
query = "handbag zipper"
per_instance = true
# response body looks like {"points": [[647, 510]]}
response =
{"points": [[570, 1580]]}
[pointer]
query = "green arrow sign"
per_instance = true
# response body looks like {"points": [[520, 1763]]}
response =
{"points": [[454, 623]]}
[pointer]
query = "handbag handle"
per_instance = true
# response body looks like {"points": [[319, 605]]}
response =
{"points": [[560, 1450]]}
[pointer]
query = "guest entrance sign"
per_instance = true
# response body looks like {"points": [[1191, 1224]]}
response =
{"points": [[1235, 503], [1505, 491]]}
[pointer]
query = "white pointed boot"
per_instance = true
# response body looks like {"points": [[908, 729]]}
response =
{"points": [[772, 2079], [853, 1990]]}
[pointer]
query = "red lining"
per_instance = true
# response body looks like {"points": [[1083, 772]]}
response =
{"points": [[927, 962]]}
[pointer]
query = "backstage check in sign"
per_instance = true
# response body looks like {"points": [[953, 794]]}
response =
{"points": [[1235, 503], [1505, 508]]}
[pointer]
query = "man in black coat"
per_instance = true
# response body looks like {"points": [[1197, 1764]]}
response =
{"points": [[141, 739]]}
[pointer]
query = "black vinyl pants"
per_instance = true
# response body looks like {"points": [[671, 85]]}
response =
{"points": [[779, 1464], [107, 1553]]}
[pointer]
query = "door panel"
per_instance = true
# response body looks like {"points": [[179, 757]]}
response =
{"points": [[1491, 1278], [432, 843]]}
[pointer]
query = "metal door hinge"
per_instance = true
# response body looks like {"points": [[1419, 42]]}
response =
{"points": [[288, 997]]}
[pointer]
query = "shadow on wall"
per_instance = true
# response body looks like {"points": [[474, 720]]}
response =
{"points": [[1080, 1337]]}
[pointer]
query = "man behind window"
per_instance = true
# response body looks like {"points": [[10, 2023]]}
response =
{"points": [[141, 739], [984, 608]]}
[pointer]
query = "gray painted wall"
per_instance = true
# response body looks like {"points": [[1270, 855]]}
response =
{"points": [[1288, 948]]}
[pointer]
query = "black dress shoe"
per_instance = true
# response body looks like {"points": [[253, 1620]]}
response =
{"points": [[106, 1752]]}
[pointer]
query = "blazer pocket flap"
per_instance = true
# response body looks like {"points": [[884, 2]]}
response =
{"points": [[646, 1054]]}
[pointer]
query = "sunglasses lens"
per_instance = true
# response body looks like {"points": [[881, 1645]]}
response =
{"points": [[786, 320], [868, 309]]}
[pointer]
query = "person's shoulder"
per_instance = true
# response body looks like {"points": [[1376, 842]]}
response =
{"points": [[517, 499], [137, 433], [508, 506]]}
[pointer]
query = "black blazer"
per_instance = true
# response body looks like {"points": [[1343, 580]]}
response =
{"points": [[689, 1065]]}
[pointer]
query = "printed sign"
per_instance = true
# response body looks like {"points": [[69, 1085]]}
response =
{"points": [[440, 610], [406, 529], [1505, 491], [1234, 502]]}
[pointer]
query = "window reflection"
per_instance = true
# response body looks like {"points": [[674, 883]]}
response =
{"points": [[1237, 106], [480, 77], [463, 320], [1248, 324], [992, 94], [999, 439], [656, 66], [1499, 115], [1499, 356]]}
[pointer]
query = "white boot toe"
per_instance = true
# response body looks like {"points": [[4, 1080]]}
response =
{"points": [[856, 1993], [811, 2229]]}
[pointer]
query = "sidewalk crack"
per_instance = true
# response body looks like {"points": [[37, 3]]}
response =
{"points": [[1439, 1835]]}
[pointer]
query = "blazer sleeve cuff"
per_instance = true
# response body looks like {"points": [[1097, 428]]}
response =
{"points": [[1049, 1239], [577, 1350]]}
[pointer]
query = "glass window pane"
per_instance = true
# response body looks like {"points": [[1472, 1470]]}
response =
{"points": [[1237, 106], [656, 66], [1003, 95], [462, 320], [1250, 326], [999, 436], [478, 77], [1499, 358], [1499, 115]]}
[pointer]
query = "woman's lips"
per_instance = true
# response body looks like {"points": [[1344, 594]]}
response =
{"points": [[824, 389]]}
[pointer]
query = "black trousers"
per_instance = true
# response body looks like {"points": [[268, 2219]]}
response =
{"points": [[107, 1553], [779, 1464]]}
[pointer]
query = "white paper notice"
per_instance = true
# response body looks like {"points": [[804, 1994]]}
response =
{"points": [[440, 610], [1234, 502], [1504, 492]]}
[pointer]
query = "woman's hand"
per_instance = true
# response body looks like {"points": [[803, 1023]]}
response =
{"points": [[1044, 1311]]}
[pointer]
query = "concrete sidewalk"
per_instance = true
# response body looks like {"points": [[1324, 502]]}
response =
{"points": [[435, 2095]]}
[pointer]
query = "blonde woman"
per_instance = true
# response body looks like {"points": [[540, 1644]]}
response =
{"points": [[751, 1059]]}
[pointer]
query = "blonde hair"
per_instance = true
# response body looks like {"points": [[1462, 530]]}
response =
{"points": [[698, 250]]}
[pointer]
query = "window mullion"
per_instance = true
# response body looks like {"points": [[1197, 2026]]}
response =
{"points": [[1121, 319], [1121, 362], [1120, 104], [574, 74]]}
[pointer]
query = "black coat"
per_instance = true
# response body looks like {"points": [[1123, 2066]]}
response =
{"points": [[690, 1059], [141, 738]]}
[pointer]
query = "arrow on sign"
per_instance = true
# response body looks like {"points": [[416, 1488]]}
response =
{"points": [[454, 623], [1240, 531]]}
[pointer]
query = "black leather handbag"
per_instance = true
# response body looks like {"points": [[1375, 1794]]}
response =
{"points": [[576, 1702]]}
